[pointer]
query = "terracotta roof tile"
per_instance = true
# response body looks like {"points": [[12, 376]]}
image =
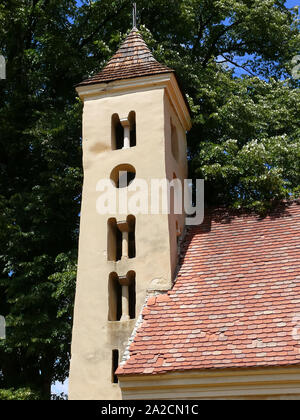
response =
{"points": [[133, 59], [235, 302]]}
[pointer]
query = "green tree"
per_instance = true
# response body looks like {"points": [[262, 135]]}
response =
{"points": [[40, 184], [233, 59], [22, 394]]}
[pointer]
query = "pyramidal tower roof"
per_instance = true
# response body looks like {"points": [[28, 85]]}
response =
{"points": [[133, 59]]}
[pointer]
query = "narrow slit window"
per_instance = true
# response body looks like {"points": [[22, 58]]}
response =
{"points": [[132, 297], [111, 240], [132, 122], [131, 237], [174, 141], [114, 298], [115, 364], [131, 244], [114, 241], [117, 133]]}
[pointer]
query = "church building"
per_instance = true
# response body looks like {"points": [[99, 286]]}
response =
{"points": [[162, 310]]}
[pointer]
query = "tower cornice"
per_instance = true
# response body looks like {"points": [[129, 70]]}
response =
{"points": [[165, 81]]}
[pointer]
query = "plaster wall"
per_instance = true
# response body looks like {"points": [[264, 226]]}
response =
{"points": [[94, 337], [270, 383]]}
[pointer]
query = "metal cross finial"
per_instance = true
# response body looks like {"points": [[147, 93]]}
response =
{"points": [[134, 16]]}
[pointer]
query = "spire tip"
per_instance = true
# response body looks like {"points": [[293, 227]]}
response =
{"points": [[134, 16]]}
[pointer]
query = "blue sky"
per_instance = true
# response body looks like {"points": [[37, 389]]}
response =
{"points": [[59, 388], [292, 3], [289, 3]]}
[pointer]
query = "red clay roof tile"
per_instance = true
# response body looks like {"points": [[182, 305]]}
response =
{"points": [[235, 302]]}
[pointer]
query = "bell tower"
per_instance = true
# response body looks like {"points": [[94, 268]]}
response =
{"points": [[135, 120]]}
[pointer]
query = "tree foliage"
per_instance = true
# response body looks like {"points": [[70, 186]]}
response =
{"points": [[233, 59], [21, 394]]}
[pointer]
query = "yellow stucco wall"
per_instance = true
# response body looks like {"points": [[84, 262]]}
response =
{"points": [[94, 337], [269, 383]]}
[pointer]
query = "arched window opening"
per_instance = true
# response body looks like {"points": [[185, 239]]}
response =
{"points": [[174, 141], [123, 131], [117, 133], [121, 297], [121, 239], [123, 175]]}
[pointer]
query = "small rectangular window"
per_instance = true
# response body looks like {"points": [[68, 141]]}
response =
{"points": [[132, 298], [115, 364]]}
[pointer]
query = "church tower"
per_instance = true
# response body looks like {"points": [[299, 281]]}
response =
{"points": [[135, 120]]}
